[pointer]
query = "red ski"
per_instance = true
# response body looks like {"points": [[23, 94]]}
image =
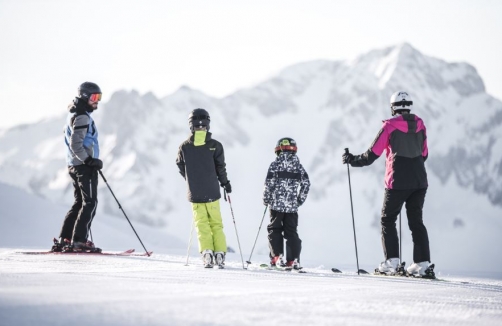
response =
{"points": [[129, 252]]}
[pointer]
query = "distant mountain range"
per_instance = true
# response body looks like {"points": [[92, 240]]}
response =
{"points": [[326, 106]]}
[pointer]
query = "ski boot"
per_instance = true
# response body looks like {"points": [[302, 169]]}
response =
{"points": [[293, 265], [59, 245], [388, 267], [207, 258], [422, 269], [88, 247], [277, 260], [219, 258]]}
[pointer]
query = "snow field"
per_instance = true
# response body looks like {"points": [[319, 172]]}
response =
{"points": [[161, 290]]}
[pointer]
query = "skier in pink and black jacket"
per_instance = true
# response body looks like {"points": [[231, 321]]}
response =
{"points": [[404, 139]]}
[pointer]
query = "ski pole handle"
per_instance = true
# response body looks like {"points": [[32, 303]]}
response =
{"points": [[346, 151]]}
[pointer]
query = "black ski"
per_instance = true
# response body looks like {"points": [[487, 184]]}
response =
{"points": [[282, 269], [401, 272]]}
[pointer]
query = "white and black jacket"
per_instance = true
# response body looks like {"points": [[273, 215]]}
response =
{"points": [[287, 184]]}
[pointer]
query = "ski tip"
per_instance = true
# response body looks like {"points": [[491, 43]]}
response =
{"points": [[362, 271], [336, 270]]}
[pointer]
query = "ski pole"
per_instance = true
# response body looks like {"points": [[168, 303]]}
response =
{"points": [[249, 261], [400, 239], [353, 222], [120, 207], [190, 242], [235, 225]]}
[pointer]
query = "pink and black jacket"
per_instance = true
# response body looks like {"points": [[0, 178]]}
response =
{"points": [[405, 141]]}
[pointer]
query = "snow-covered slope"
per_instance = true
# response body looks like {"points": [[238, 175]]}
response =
{"points": [[161, 290], [326, 106]]}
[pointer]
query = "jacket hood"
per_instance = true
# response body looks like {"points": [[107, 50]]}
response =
{"points": [[80, 106], [401, 122]]}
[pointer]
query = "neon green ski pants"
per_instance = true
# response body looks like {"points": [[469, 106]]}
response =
{"points": [[209, 225]]}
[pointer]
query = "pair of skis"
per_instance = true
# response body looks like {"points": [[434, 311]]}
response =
{"points": [[129, 252], [400, 272]]}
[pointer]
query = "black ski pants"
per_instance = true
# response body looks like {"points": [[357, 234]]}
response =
{"points": [[284, 226], [392, 205], [77, 222]]}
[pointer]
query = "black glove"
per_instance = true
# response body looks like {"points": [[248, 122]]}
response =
{"points": [[227, 187], [347, 158], [94, 163]]}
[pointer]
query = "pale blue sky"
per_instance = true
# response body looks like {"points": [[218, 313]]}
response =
{"points": [[47, 48]]}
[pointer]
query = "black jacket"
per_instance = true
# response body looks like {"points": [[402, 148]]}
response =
{"points": [[202, 167]]}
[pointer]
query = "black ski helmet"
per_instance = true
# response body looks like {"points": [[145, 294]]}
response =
{"points": [[286, 144], [87, 89], [199, 117]]}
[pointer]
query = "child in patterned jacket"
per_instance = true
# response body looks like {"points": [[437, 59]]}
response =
{"points": [[286, 189]]}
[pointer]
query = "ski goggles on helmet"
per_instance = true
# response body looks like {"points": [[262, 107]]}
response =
{"points": [[200, 117], [286, 148], [95, 97]]}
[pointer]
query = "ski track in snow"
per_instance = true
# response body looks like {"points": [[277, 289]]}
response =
{"points": [[161, 290]]}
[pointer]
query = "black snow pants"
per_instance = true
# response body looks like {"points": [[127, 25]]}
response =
{"points": [[392, 204], [284, 226], [77, 222]]}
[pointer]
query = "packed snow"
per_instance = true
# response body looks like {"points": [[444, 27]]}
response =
{"points": [[161, 290]]}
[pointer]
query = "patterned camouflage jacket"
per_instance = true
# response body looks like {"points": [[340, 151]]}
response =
{"points": [[285, 176]]}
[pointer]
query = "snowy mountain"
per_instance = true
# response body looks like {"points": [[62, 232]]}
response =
{"points": [[326, 106]]}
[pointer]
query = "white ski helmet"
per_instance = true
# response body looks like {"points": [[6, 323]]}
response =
{"points": [[400, 101]]}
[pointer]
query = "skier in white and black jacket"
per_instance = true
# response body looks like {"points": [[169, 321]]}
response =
{"points": [[286, 189], [81, 138]]}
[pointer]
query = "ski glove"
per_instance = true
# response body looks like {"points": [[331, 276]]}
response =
{"points": [[227, 187], [94, 163], [347, 158]]}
